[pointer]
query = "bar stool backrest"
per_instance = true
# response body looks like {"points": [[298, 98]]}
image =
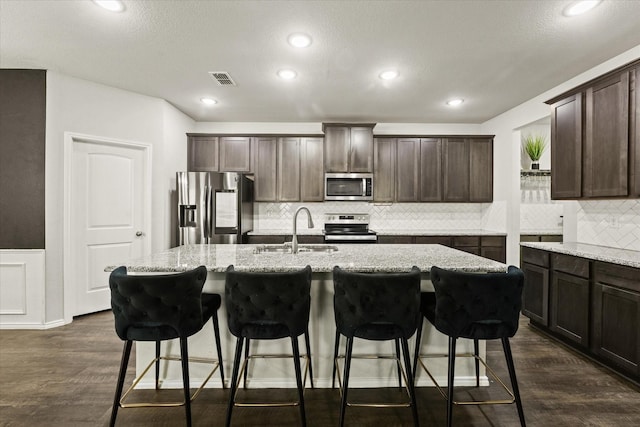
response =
{"points": [[365, 302], [157, 307], [477, 306], [267, 299]]}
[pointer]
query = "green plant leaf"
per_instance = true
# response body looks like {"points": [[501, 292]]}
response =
{"points": [[534, 146]]}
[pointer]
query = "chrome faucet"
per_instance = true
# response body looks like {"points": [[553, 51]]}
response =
{"points": [[294, 239]]}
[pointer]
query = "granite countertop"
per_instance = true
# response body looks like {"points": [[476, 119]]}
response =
{"points": [[432, 232], [353, 257], [594, 252], [383, 232], [541, 232]]}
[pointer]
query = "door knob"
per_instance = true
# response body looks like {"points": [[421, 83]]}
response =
{"points": [[139, 233]]}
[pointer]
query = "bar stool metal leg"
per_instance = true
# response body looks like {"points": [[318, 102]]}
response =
{"points": [[450, 378], [335, 356], [397, 342], [410, 382], [126, 352], [308, 345], [157, 365], [514, 381], [234, 378], [216, 331], [345, 381], [184, 356], [296, 365], [476, 352]]}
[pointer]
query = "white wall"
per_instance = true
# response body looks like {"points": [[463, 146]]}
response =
{"points": [[507, 143], [80, 106]]}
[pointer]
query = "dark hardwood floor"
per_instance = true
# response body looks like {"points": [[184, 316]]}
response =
{"points": [[66, 377]]}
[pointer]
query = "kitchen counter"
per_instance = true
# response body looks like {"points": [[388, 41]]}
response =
{"points": [[385, 232], [593, 252], [353, 257], [369, 258]]}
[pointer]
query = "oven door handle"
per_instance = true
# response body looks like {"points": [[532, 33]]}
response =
{"points": [[366, 237]]}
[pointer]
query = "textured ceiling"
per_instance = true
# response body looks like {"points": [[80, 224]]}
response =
{"points": [[494, 54]]}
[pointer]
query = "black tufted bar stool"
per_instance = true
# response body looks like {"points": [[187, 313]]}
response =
{"points": [[159, 308], [377, 307], [268, 306], [477, 307]]}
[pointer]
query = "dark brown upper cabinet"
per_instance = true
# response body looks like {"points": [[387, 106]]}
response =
{"points": [[430, 170], [235, 154], [202, 153], [481, 170], [265, 172], [606, 154], [594, 138], [348, 148], [456, 170], [407, 170], [384, 170], [311, 169], [288, 169], [566, 148]]}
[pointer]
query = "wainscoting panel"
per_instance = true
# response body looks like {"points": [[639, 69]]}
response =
{"points": [[22, 289]]}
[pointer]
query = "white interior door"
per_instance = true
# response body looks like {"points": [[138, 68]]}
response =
{"points": [[108, 187]]}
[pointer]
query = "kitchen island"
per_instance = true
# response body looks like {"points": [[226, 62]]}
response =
{"points": [[352, 257]]}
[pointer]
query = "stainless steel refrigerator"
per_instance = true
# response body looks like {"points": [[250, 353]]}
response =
{"points": [[214, 207]]}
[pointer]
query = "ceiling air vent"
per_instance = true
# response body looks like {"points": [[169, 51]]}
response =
{"points": [[222, 78]]}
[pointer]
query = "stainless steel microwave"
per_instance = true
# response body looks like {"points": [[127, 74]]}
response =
{"points": [[348, 186]]}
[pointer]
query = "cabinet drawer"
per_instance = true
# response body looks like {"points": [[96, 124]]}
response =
{"points": [[535, 256], [571, 265], [492, 241], [434, 240], [396, 239], [466, 241], [618, 275]]}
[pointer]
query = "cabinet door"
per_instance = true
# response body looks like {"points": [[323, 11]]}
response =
{"points": [[384, 169], [430, 170], [265, 170], [311, 169], [494, 247], [566, 148], [336, 149], [288, 169], [361, 150], [535, 295], [616, 326], [606, 155], [407, 170], [202, 154], [235, 154], [481, 170], [634, 116], [570, 307], [456, 170]]}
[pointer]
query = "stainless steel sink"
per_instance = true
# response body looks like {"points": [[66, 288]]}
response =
{"points": [[286, 249]]}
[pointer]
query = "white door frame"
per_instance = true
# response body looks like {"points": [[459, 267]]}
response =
{"points": [[69, 139]]}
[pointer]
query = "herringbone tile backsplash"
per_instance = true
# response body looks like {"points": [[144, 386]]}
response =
{"points": [[614, 223], [396, 216]]}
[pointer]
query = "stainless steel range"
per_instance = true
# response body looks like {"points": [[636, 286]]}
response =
{"points": [[348, 228]]}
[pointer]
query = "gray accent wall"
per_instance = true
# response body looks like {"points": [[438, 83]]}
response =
{"points": [[22, 158]]}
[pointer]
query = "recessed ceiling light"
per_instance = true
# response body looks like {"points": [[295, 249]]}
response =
{"points": [[299, 40], [287, 74], [110, 5], [455, 102], [580, 7], [388, 75], [208, 101]]}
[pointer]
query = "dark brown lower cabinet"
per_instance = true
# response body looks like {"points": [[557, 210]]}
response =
{"points": [[492, 247], [593, 306], [569, 314], [535, 296], [616, 316]]}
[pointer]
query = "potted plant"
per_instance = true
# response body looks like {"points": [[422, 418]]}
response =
{"points": [[534, 146]]}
